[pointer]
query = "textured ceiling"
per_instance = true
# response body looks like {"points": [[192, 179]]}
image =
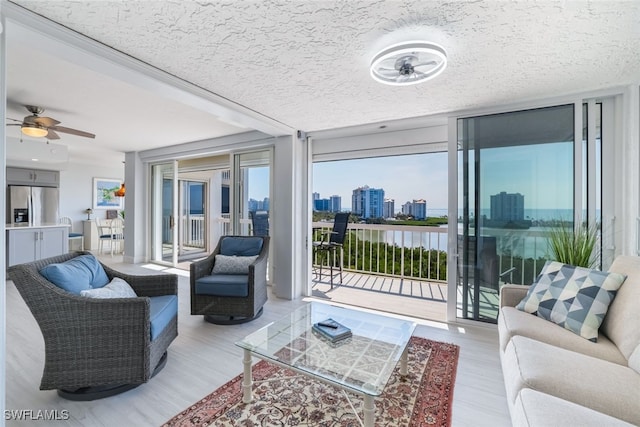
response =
{"points": [[305, 63]]}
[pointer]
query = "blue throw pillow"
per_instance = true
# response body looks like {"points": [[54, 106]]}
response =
{"points": [[80, 273], [241, 246]]}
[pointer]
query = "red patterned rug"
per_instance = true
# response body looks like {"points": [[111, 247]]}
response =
{"points": [[422, 398]]}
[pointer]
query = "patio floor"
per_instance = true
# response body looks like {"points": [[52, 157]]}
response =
{"points": [[416, 298]]}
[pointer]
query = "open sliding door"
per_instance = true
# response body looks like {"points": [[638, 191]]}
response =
{"points": [[164, 212], [520, 174], [252, 189]]}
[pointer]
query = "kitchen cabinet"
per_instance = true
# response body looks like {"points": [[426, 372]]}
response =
{"points": [[36, 177], [27, 244]]}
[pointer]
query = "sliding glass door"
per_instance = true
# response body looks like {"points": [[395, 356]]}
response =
{"points": [[252, 172], [516, 180], [164, 231]]}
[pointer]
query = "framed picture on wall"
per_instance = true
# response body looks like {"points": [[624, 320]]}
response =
{"points": [[103, 193]]}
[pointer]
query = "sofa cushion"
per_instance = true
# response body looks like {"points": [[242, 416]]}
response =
{"points": [[575, 298], [597, 384], [163, 309], [80, 273], [117, 288], [623, 317], [241, 246], [533, 408], [225, 264], [512, 322], [634, 360], [223, 285]]}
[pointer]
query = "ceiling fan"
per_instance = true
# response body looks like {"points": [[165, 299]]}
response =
{"points": [[39, 127], [408, 63]]}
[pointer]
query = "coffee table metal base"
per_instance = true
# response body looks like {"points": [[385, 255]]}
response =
{"points": [[369, 408]]}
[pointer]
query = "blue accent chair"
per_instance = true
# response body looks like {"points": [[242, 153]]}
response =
{"points": [[231, 297]]}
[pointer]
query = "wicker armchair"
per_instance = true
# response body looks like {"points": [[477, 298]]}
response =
{"points": [[215, 296], [95, 347]]}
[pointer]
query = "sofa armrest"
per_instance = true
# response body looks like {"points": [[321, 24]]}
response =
{"points": [[511, 295]]}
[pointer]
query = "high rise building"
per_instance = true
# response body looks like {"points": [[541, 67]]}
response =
{"points": [[389, 209], [416, 208], [507, 207], [321, 205], [419, 209], [407, 209], [335, 203], [368, 202]]}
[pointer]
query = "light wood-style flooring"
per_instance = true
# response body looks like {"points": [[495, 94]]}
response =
{"points": [[204, 357]]}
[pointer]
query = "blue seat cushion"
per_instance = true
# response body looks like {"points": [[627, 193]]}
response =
{"points": [[75, 234], [223, 285], [78, 274], [163, 309], [241, 246]]}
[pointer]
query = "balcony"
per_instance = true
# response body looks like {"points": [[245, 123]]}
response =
{"points": [[393, 268]]}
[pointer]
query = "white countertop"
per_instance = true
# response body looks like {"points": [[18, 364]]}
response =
{"points": [[23, 226]]}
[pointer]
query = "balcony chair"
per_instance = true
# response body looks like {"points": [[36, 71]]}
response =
{"points": [[72, 236], [333, 242], [260, 222], [102, 337], [230, 285]]}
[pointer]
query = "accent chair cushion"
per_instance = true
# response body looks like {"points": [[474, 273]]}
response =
{"points": [[225, 264], [223, 285], [117, 288], [163, 309], [575, 298], [241, 246], [80, 273]]}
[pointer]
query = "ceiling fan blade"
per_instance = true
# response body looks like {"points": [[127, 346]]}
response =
{"points": [[46, 121], [72, 131], [52, 135], [425, 63], [15, 120], [14, 124]]}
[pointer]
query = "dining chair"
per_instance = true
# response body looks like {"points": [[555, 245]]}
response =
{"points": [[112, 231], [72, 236]]}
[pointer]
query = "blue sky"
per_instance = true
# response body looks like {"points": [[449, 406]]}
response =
{"points": [[403, 178], [543, 173]]}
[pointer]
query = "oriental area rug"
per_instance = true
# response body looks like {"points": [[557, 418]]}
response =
{"points": [[423, 398]]}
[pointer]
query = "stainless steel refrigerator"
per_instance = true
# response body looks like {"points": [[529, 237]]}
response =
{"points": [[32, 205]]}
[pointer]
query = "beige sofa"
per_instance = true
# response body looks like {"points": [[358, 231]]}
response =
{"points": [[554, 377]]}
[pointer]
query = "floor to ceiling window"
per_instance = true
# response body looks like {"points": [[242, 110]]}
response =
{"points": [[517, 179]]}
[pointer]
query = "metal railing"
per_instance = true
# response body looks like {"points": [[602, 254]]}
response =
{"points": [[412, 252]]}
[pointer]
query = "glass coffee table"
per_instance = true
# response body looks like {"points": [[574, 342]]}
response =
{"points": [[361, 364]]}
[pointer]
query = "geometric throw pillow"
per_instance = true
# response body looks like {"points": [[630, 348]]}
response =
{"points": [[226, 264], [575, 298], [117, 288]]}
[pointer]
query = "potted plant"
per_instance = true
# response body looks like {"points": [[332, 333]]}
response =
{"points": [[575, 245]]}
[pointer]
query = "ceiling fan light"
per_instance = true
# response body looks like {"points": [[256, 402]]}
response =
{"points": [[393, 65], [34, 131]]}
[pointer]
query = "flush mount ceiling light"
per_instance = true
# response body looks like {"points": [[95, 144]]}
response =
{"points": [[408, 63]]}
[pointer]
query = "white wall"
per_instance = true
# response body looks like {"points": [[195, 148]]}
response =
{"points": [[76, 189]]}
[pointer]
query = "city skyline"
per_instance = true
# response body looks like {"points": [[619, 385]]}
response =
{"points": [[427, 171]]}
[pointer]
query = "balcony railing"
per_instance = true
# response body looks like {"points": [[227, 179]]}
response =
{"points": [[412, 252], [420, 253]]}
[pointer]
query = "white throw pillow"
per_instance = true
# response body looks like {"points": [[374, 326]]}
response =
{"points": [[226, 264], [117, 288]]}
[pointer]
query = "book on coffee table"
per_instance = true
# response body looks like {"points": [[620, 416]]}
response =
{"points": [[332, 330]]}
